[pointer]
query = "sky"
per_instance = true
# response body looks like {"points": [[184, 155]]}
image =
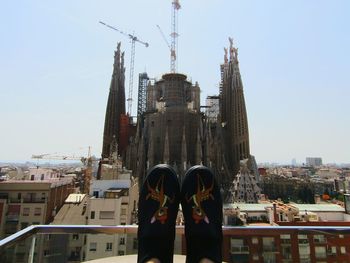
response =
{"points": [[56, 65]]}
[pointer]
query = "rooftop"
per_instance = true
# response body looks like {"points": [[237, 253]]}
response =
{"points": [[248, 207], [72, 213], [75, 198], [320, 207], [302, 207]]}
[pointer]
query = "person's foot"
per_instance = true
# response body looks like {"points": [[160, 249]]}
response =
{"points": [[202, 209], [158, 207]]}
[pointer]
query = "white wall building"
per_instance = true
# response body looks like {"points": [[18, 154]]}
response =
{"points": [[112, 203], [39, 174]]}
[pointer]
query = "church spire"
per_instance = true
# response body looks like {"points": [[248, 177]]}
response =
{"points": [[233, 113], [233, 51], [115, 104]]}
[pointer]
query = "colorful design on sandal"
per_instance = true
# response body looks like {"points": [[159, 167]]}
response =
{"points": [[157, 194], [202, 194]]}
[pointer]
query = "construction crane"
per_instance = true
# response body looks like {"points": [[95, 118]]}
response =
{"points": [[173, 45], [172, 52], [49, 156], [175, 8], [134, 39], [87, 161]]}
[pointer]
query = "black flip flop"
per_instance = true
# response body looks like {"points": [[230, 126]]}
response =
{"points": [[158, 207], [202, 209]]}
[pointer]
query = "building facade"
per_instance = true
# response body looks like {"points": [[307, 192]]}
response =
{"points": [[313, 161], [112, 202], [172, 129], [25, 203]]}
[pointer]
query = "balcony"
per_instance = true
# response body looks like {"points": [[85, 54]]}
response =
{"points": [[12, 218], [14, 200], [240, 250], [54, 243], [320, 240], [286, 257], [269, 248], [320, 255], [33, 200], [285, 242], [10, 227]]}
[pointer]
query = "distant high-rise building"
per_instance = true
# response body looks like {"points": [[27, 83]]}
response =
{"points": [[313, 161]]}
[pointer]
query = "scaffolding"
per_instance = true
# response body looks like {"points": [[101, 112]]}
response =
{"points": [[141, 101]]}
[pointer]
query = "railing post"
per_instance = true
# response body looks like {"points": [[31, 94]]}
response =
{"points": [[31, 251]]}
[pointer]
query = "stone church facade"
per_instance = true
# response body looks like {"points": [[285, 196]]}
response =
{"points": [[174, 130]]}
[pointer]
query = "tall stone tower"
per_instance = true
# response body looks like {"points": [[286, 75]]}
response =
{"points": [[170, 131], [115, 110], [233, 112]]}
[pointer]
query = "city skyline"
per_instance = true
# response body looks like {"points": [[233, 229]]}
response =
{"points": [[56, 65]]}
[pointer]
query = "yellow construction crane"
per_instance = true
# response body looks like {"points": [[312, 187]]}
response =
{"points": [[87, 161], [132, 60]]}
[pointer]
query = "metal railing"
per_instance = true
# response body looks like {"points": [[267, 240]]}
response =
{"points": [[321, 254], [34, 200], [34, 232], [269, 248]]}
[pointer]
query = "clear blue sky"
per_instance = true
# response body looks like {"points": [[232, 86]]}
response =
{"points": [[56, 63]]}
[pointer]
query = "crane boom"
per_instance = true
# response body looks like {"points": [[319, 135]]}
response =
{"points": [[87, 161], [164, 37], [132, 60]]}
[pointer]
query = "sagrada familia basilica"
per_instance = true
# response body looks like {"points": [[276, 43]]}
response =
{"points": [[173, 128]]}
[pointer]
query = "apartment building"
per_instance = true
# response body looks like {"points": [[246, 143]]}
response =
{"points": [[271, 213], [112, 203], [286, 246], [67, 247], [313, 161], [42, 173], [25, 203]]}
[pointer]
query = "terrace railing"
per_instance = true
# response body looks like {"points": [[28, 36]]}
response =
{"points": [[80, 243]]}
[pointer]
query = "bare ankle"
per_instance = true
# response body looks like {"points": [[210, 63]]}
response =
{"points": [[153, 260], [205, 260]]}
